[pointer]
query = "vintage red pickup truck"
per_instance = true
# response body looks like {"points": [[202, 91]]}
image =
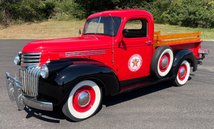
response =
{"points": [[118, 51]]}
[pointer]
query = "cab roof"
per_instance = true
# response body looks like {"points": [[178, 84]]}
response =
{"points": [[121, 13]]}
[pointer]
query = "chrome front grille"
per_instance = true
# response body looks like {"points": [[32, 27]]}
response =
{"points": [[30, 58], [29, 77]]}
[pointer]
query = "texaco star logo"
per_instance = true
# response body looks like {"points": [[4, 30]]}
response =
{"points": [[135, 62]]}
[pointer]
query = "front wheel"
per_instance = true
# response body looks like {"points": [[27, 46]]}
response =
{"points": [[84, 101], [183, 73]]}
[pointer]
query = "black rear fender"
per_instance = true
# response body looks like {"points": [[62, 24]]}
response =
{"points": [[184, 55]]}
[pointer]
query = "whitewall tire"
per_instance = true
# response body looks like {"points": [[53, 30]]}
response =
{"points": [[183, 73], [84, 101], [162, 61]]}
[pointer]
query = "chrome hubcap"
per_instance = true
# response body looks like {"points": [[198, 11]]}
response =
{"points": [[182, 72], [164, 63], [83, 99]]}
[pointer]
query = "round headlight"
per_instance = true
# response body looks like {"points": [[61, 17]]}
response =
{"points": [[44, 71], [17, 59]]}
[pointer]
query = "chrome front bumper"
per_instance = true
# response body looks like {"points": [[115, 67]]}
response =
{"points": [[15, 93]]}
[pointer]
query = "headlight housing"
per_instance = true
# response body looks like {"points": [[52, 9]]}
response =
{"points": [[17, 59], [44, 72]]}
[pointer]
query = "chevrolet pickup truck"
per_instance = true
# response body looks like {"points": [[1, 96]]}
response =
{"points": [[117, 51]]}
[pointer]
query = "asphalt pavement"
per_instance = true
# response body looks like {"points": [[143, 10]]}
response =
{"points": [[159, 106]]}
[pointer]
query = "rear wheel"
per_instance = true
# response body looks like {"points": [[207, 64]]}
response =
{"points": [[84, 101], [183, 73]]}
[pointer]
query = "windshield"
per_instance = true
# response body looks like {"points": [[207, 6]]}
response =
{"points": [[103, 25]]}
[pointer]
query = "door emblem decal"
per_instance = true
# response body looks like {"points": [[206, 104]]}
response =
{"points": [[135, 62]]}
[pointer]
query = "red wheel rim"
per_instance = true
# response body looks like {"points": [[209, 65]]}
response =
{"points": [[182, 72], [86, 90], [164, 62]]}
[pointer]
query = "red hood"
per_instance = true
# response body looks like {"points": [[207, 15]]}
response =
{"points": [[69, 44]]}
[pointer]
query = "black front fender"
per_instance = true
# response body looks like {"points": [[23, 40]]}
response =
{"points": [[64, 75], [97, 72]]}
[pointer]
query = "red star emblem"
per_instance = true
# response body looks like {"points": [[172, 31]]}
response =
{"points": [[135, 62]]}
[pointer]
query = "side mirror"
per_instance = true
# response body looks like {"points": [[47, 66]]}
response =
{"points": [[80, 32]]}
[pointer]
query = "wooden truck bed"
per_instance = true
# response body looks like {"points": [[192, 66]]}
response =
{"points": [[176, 39]]}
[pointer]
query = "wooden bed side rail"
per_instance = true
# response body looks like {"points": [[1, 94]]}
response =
{"points": [[176, 39]]}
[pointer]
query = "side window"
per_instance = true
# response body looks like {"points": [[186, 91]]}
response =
{"points": [[136, 28]]}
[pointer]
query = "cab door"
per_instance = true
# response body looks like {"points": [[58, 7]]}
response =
{"points": [[134, 51]]}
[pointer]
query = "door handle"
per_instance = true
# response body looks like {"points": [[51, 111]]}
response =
{"points": [[149, 42]]}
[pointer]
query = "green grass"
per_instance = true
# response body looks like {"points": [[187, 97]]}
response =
{"points": [[60, 29]]}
